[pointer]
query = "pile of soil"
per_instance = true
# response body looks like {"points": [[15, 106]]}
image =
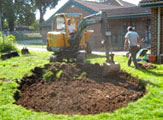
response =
{"points": [[147, 66], [77, 89]]}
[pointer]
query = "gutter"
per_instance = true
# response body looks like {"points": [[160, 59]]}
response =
{"points": [[129, 16], [151, 3], [158, 36]]}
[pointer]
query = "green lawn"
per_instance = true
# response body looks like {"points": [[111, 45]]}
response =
{"points": [[150, 107]]}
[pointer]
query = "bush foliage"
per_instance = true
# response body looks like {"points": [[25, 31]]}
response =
{"points": [[6, 43]]}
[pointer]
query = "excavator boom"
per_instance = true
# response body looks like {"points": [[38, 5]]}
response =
{"points": [[74, 41]]}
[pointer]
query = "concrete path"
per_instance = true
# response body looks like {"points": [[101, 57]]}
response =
{"points": [[96, 52], [39, 41], [33, 48]]}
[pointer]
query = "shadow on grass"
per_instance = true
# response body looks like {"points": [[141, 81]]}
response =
{"points": [[92, 56], [145, 83], [154, 73]]}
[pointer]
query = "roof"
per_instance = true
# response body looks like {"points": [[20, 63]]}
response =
{"points": [[151, 3], [96, 6], [128, 12], [91, 7], [126, 4], [110, 4]]}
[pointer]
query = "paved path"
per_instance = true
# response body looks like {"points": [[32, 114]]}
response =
{"points": [[37, 41], [97, 52], [33, 48]]}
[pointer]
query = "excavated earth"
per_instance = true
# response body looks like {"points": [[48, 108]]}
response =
{"points": [[77, 89]]}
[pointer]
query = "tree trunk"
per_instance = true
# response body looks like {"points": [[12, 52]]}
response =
{"points": [[11, 24], [41, 16]]}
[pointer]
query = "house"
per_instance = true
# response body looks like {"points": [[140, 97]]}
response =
{"points": [[157, 27], [86, 8], [120, 15], [120, 18]]}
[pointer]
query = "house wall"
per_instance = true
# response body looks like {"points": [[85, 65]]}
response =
{"points": [[119, 26], [43, 31], [75, 9], [154, 45]]}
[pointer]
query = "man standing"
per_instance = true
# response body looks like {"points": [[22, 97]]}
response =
{"points": [[133, 41], [71, 27]]}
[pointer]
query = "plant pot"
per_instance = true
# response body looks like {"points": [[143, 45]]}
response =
{"points": [[152, 59]]}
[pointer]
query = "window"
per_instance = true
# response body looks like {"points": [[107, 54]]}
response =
{"points": [[60, 23]]}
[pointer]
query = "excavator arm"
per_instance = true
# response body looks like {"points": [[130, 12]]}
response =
{"points": [[99, 17], [77, 37], [73, 51]]}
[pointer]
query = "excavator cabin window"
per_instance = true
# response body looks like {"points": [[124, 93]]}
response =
{"points": [[60, 24]]}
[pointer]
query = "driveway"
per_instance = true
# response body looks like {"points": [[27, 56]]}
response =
{"points": [[96, 52]]}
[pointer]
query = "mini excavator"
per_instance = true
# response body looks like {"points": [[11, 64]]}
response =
{"points": [[69, 47]]}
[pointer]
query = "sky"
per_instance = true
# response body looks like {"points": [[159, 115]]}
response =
{"points": [[62, 2]]}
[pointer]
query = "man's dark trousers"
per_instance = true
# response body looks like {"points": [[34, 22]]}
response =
{"points": [[133, 50]]}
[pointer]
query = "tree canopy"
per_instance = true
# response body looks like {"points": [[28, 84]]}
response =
{"points": [[23, 11], [42, 6]]}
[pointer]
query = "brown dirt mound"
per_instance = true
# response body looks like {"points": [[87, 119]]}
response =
{"points": [[78, 89], [147, 66]]}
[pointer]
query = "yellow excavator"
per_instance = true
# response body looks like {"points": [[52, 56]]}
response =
{"points": [[69, 47], [59, 36]]}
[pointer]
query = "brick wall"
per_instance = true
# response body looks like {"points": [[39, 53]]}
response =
{"points": [[161, 26], [75, 9], [154, 45], [154, 31]]}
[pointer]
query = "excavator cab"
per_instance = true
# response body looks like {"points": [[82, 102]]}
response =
{"points": [[59, 36]]}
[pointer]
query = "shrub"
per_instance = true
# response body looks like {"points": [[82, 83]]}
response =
{"points": [[6, 43]]}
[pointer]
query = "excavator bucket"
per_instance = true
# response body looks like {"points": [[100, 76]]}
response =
{"points": [[109, 68]]}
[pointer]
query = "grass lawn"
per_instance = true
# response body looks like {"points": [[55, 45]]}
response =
{"points": [[150, 107]]}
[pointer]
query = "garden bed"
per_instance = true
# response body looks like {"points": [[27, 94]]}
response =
{"points": [[77, 89]]}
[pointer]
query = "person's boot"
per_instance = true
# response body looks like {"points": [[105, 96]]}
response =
{"points": [[129, 61]]}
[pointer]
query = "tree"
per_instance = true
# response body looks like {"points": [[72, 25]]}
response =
{"points": [[35, 25], [8, 12], [21, 11], [25, 12], [42, 6]]}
